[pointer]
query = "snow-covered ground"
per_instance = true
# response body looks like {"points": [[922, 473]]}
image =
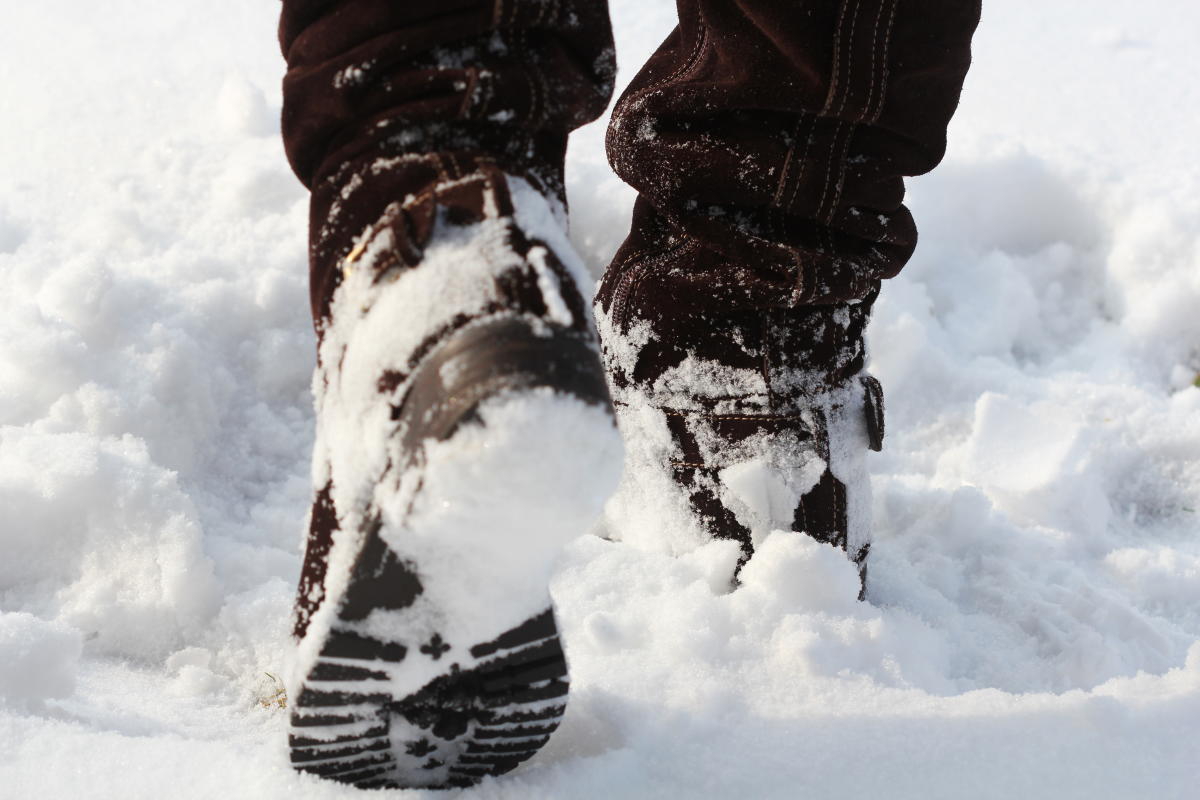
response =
{"points": [[1034, 624]]}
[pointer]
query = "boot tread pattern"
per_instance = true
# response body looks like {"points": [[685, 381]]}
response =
{"points": [[462, 726]]}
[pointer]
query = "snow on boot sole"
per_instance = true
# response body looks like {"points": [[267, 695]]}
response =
{"points": [[439, 663]]}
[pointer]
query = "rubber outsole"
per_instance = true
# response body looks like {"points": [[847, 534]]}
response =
{"points": [[357, 716], [347, 726]]}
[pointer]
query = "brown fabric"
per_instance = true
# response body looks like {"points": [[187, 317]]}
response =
{"points": [[500, 81], [770, 135], [768, 141], [776, 134]]}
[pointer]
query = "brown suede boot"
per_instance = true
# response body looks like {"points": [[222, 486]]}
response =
{"points": [[464, 430], [464, 434], [768, 142], [742, 423]]}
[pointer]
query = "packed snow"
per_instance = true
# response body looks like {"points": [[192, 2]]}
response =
{"points": [[1033, 625]]}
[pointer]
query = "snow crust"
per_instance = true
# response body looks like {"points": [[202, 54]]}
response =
{"points": [[1034, 611]]}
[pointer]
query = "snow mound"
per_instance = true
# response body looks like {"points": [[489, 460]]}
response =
{"points": [[38, 660], [99, 536], [1034, 599]]}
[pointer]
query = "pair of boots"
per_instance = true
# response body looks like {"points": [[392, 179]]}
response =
{"points": [[465, 413]]}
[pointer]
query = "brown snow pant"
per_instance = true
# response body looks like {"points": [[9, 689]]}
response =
{"points": [[767, 138]]}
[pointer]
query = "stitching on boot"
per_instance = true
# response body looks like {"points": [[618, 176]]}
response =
{"points": [[840, 520], [765, 333], [849, 59], [787, 163], [623, 280], [801, 285], [679, 71], [833, 148], [874, 72], [886, 54], [837, 58], [840, 185], [688, 246], [803, 514], [627, 289], [733, 417], [621, 295], [812, 123]]}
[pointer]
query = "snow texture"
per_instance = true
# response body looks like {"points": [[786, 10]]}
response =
{"points": [[1033, 627]]}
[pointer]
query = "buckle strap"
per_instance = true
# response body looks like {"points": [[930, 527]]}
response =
{"points": [[873, 408]]}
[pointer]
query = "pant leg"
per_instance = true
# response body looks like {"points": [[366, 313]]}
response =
{"points": [[384, 98], [768, 140]]}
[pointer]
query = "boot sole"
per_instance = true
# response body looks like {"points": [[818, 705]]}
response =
{"points": [[347, 725], [378, 711]]}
